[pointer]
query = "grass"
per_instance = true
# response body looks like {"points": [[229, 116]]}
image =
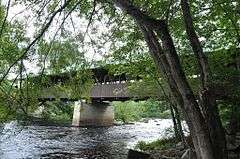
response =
{"points": [[160, 144]]}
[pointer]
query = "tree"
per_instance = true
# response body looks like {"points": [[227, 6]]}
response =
{"points": [[208, 102], [167, 61]]}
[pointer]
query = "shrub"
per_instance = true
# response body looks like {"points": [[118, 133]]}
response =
{"points": [[58, 111], [160, 144], [134, 111]]}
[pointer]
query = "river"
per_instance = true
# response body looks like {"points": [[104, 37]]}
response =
{"points": [[19, 141]]}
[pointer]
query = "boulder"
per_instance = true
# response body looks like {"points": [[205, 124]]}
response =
{"points": [[133, 154]]}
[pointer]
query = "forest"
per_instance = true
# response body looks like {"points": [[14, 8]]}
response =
{"points": [[184, 55]]}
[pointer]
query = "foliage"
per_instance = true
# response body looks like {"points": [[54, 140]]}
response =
{"points": [[60, 56], [6, 114], [11, 40], [80, 85], [58, 111], [134, 111], [127, 111], [225, 112], [160, 144], [226, 109]]}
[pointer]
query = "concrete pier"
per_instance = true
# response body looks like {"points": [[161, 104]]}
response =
{"points": [[76, 113], [93, 114]]}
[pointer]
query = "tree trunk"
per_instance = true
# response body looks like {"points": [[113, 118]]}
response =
{"points": [[175, 126], [163, 67], [179, 124], [190, 104], [175, 115], [207, 97], [168, 63]]}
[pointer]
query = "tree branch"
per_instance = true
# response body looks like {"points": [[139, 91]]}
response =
{"points": [[36, 39], [5, 19], [54, 37], [91, 17]]}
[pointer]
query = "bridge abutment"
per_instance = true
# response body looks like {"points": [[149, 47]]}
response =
{"points": [[92, 114]]}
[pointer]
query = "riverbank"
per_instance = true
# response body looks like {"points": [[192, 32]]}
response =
{"points": [[165, 148], [169, 148]]}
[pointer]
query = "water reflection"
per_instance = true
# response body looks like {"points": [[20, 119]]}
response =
{"points": [[21, 142]]}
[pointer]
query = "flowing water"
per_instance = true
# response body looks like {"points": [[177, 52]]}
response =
{"points": [[34, 141]]}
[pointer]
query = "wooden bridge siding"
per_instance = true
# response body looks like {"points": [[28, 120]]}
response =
{"points": [[98, 91], [110, 90]]}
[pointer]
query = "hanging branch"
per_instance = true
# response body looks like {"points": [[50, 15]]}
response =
{"points": [[15, 79], [234, 24], [91, 18], [45, 3], [21, 80], [74, 28], [32, 5], [54, 37], [5, 19], [36, 39]]}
